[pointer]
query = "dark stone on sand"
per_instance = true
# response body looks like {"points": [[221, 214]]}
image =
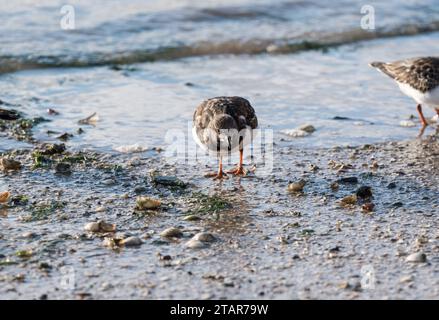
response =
{"points": [[348, 180], [397, 204], [63, 168], [364, 192], [9, 115], [51, 149], [391, 185], [139, 190], [169, 181], [65, 136]]}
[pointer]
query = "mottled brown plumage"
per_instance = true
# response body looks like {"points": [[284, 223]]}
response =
{"points": [[420, 73], [418, 78], [217, 121]]}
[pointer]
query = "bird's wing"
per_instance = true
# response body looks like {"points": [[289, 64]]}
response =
{"points": [[420, 73]]}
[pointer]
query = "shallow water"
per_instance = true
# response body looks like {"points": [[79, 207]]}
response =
{"points": [[138, 104], [114, 31]]}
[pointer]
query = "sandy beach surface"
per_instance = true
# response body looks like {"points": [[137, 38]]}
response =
{"points": [[259, 239], [93, 207]]}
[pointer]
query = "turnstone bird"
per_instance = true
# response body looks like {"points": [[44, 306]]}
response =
{"points": [[222, 125], [418, 78]]}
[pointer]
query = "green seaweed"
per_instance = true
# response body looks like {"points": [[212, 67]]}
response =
{"points": [[43, 211], [206, 204]]}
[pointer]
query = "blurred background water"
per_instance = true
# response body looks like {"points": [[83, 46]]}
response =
{"points": [[144, 66]]}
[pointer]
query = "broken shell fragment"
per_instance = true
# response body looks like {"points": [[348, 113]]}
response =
{"points": [[349, 200], [4, 196], [144, 203], [100, 226], [171, 233], [195, 244], [368, 207], [91, 119], [204, 237], [10, 164]]}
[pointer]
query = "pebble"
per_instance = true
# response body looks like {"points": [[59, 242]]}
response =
{"points": [[139, 190], [131, 148], [416, 257], [391, 185], [368, 207], [109, 182], [296, 133], [195, 244], [406, 279], [28, 235], [349, 200], [131, 242], [100, 209], [63, 168], [191, 217], [407, 123], [297, 186], [171, 233], [348, 180], [143, 203], [100, 226], [204, 237], [364, 192], [307, 128], [10, 164]]}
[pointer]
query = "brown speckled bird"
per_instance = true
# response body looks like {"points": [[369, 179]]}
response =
{"points": [[418, 78], [222, 125]]}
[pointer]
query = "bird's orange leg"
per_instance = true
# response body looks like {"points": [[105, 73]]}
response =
{"points": [[239, 171], [423, 121], [421, 115], [220, 174]]}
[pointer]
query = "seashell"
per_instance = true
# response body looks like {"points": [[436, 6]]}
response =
{"points": [[191, 217], [171, 232], [4, 196], [204, 237], [100, 226], [92, 227], [195, 244], [297, 186], [349, 200], [10, 164], [91, 119], [107, 227], [131, 242], [416, 257], [144, 203], [112, 242]]}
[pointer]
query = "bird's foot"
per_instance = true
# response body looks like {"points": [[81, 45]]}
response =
{"points": [[239, 171], [217, 175], [421, 132]]}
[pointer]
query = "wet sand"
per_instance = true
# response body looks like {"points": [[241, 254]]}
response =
{"points": [[269, 243]]}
